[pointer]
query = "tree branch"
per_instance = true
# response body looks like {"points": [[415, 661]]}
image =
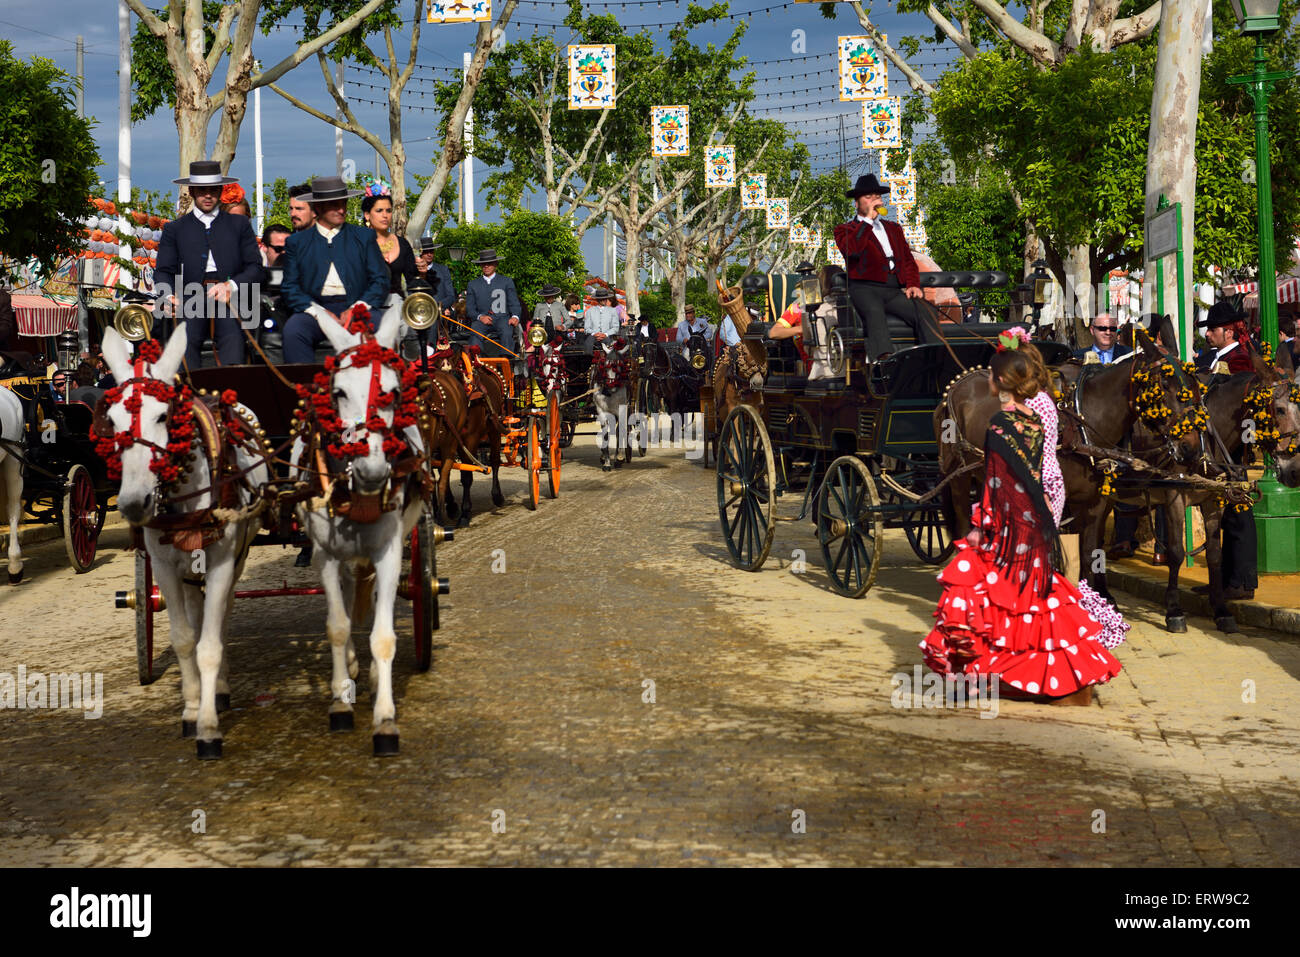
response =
{"points": [[894, 57], [1135, 27], [318, 43], [1037, 45], [955, 36]]}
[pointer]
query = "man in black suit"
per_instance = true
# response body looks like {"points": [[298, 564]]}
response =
{"points": [[492, 308], [1104, 329], [203, 259], [331, 266]]}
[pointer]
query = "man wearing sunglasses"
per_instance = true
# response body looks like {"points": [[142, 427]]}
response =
{"points": [[1104, 328], [273, 238]]}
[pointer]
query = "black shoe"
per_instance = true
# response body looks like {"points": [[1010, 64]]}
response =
{"points": [[1118, 552], [1237, 593], [304, 557]]}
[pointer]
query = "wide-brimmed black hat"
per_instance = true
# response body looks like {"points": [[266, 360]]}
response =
{"points": [[1221, 314], [205, 173], [427, 245], [602, 293], [549, 289], [866, 184], [486, 256], [328, 189]]}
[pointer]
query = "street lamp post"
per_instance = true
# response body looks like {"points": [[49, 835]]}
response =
{"points": [[1277, 523]]}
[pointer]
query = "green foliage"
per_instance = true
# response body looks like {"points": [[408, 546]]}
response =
{"points": [[47, 160], [659, 308], [154, 203], [976, 227], [697, 295], [535, 249]]}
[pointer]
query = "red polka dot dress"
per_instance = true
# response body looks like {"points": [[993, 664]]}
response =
{"points": [[1005, 610]]}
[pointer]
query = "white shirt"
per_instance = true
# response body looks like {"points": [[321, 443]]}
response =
{"points": [[1223, 352], [878, 229], [333, 285], [207, 219]]}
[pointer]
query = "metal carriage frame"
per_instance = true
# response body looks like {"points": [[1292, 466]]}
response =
{"points": [[861, 444]]}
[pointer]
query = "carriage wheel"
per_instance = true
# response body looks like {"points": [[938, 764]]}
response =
{"points": [[746, 478], [533, 462], [927, 533], [554, 430], [567, 430], [82, 518], [144, 603], [849, 529], [422, 589]]}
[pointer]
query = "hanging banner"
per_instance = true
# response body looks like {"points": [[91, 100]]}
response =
{"points": [[798, 234], [894, 162], [880, 129], [720, 170], [753, 192], [902, 190], [591, 76], [815, 238], [778, 213], [460, 11], [670, 131], [863, 72], [833, 254]]}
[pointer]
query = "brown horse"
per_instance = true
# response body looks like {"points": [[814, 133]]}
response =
{"points": [[480, 423], [1106, 402], [444, 410]]}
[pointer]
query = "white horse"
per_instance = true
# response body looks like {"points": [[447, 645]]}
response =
{"points": [[610, 381], [197, 579], [11, 476], [344, 548]]}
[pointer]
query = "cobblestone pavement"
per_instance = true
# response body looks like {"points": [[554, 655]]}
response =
{"points": [[772, 696]]}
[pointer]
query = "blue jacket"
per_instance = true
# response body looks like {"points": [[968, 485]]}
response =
{"points": [[183, 251], [355, 254], [445, 289]]}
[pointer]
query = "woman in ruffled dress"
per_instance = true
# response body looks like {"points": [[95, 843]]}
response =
{"points": [[1006, 609]]}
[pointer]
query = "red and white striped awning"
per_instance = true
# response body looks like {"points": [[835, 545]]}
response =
{"points": [[1288, 290], [39, 316]]}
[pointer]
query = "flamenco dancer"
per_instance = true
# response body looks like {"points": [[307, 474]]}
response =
{"points": [[1006, 609]]}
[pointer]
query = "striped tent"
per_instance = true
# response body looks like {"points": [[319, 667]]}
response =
{"points": [[42, 316]]}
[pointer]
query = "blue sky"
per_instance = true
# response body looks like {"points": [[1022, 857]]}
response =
{"points": [[294, 144]]}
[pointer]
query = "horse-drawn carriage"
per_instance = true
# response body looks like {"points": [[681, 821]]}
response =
{"points": [[47, 456], [858, 437]]}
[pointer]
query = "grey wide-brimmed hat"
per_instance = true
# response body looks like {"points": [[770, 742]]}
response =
{"points": [[205, 173], [427, 245], [486, 256], [328, 189], [602, 293], [550, 289]]}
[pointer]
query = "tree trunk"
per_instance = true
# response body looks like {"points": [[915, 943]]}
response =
{"points": [[632, 277], [1171, 149]]}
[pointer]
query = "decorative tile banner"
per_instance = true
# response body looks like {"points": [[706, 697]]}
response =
{"points": [[880, 130], [894, 163], [833, 254], [591, 76], [720, 169], [815, 239], [902, 190], [460, 11], [798, 234], [778, 213], [863, 71], [670, 131], [753, 192]]}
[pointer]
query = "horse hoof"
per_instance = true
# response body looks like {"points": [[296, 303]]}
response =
{"points": [[606, 467], [385, 745], [15, 577], [1176, 623], [498, 499], [618, 463], [208, 750], [1226, 624], [464, 520], [223, 702], [189, 728], [341, 721]]}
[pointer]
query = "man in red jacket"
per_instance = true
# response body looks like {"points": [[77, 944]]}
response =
{"points": [[881, 271], [1225, 331]]}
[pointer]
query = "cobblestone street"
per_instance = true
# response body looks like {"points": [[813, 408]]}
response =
{"points": [[772, 696]]}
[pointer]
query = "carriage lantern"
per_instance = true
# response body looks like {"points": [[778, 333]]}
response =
{"points": [[68, 350], [536, 335], [133, 322], [420, 309], [1042, 284]]}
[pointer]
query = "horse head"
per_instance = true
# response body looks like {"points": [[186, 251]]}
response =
{"points": [[369, 399], [134, 420], [1164, 397], [611, 365]]}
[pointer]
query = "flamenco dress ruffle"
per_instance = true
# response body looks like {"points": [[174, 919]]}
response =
{"points": [[1038, 644]]}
